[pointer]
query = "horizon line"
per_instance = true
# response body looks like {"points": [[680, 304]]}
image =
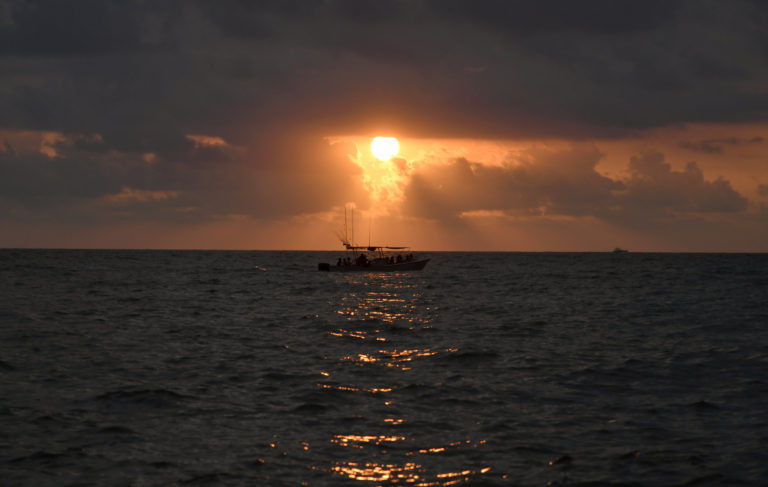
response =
{"points": [[149, 249]]}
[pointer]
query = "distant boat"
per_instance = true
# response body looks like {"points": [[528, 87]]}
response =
{"points": [[620, 251], [375, 259]]}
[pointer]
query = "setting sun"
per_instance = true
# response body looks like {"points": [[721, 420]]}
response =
{"points": [[384, 148]]}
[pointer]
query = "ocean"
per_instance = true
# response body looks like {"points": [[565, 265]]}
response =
{"points": [[143, 368]]}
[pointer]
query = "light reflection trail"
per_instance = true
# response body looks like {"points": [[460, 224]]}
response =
{"points": [[383, 299], [415, 470], [351, 388], [375, 472], [410, 473], [357, 441], [379, 320], [399, 359]]}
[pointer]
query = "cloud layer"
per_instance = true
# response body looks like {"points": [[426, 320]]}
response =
{"points": [[143, 74], [78, 178], [566, 183], [197, 111]]}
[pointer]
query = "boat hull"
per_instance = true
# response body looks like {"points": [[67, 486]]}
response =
{"points": [[415, 265]]}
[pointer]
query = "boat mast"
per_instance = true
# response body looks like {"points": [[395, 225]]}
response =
{"points": [[346, 235]]}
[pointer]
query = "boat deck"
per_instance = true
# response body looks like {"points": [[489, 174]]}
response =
{"points": [[414, 265]]}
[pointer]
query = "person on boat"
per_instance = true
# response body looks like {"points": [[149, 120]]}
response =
{"points": [[338, 263], [362, 261], [399, 259]]}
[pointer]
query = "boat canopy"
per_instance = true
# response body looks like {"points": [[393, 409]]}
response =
{"points": [[374, 248]]}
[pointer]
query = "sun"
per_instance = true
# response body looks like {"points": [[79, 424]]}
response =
{"points": [[384, 148]]}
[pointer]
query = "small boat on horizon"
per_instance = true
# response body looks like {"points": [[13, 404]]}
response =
{"points": [[620, 251]]}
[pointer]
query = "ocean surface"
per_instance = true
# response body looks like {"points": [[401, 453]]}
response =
{"points": [[253, 368]]}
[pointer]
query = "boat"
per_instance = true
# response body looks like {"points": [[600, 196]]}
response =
{"points": [[372, 258], [375, 259], [620, 251]]}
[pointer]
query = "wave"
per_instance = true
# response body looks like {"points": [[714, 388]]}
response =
{"points": [[156, 398]]}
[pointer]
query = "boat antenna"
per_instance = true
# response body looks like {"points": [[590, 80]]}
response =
{"points": [[353, 225], [346, 235], [369, 229]]}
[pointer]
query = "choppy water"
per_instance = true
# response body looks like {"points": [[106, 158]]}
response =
{"points": [[252, 368]]}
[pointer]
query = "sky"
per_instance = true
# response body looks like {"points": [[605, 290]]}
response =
{"points": [[523, 126]]}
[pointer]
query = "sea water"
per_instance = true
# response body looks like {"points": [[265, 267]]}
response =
{"points": [[253, 368]]}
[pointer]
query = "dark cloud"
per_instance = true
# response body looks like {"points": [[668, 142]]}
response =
{"points": [[56, 28], [541, 182], [7, 148], [147, 72], [77, 179], [527, 18], [41, 181], [654, 187], [565, 183], [715, 146], [126, 83]]}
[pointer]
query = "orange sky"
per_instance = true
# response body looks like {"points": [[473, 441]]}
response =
{"points": [[546, 126], [382, 192]]}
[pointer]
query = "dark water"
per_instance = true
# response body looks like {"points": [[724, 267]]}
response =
{"points": [[252, 368]]}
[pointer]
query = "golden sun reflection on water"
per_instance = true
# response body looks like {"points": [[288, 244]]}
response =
{"points": [[378, 472], [414, 469], [395, 298], [356, 441], [351, 388], [398, 359], [384, 306], [410, 473], [380, 321], [379, 302]]}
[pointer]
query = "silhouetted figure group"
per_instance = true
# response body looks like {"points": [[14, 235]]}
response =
{"points": [[362, 260]]}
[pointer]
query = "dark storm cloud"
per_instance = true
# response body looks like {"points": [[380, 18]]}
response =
{"points": [[565, 183], [144, 75], [487, 68], [83, 181], [61, 28], [541, 182], [38, 181], [715, 146], [654, 187], [527, 18]]}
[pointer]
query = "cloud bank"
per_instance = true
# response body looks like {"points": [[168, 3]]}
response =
{"points": [[197, 111], [143, 74], [78, 178], [566, 183]]}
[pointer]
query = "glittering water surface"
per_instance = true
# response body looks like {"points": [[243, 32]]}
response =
{"points": [[253, 368]]}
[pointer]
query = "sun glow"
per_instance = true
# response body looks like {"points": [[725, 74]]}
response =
{"points": [[385, 176], [385, 148]]}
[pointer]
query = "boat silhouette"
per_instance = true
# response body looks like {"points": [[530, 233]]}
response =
{"points": [[373, 258]]}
